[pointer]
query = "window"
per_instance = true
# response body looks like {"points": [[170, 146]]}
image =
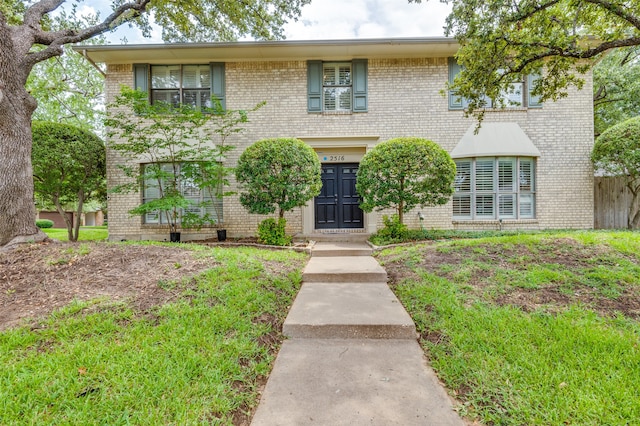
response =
{"points": [[187, 84], [337, 86], [518, 96], [203, 203], [494, 188]]}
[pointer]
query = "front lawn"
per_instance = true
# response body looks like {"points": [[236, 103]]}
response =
{"points": [[197, 355], [529, 329], [87, 233]]}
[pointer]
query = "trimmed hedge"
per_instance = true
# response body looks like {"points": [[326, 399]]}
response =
{"points": [[44, 223]]}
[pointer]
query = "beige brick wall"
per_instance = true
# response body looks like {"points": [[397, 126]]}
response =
{"points": [[404, 100]]}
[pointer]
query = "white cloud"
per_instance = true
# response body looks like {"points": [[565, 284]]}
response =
{"points": [[335, 19], [338, 19]]}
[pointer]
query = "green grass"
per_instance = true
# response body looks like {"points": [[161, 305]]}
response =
{"points": [[559, 362], [196, 360], [87, 233]]}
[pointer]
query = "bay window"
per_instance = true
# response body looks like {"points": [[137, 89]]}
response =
{"points": [[494, 188]]}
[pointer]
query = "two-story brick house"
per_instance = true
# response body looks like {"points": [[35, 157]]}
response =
{"points": [[527, 168]]}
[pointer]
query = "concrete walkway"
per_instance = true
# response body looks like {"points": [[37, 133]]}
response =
{"points": [[352, 357]]}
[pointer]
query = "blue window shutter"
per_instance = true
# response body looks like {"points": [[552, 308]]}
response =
{"points": [[314, 86], [218, 83], [141, 77], [455, 101], [533, 101], [359, 73]]}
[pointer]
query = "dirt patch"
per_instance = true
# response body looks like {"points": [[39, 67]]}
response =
{"points": [[552, 298], [565, 254], [39, 278]]}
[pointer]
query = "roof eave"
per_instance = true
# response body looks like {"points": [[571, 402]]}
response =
{"points": [[272, 50]]}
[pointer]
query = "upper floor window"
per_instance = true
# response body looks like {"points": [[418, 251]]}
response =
{"points": [[181, 84], [193, 85], [337, 86], [494, 188], [517, 96]]}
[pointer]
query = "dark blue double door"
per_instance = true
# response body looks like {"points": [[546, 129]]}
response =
{"points": [[338, 205]]}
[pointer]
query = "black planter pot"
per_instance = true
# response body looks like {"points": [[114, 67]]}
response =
{"points": [[222, 234], [174, 237]]}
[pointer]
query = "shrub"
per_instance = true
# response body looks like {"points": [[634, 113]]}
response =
{"points": [[44, 223], [393, 230], [273, 233], [404, 173], [278, 174]]}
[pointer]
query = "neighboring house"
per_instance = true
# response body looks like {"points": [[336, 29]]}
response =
{"points": [[88, 218], [527, 168]]}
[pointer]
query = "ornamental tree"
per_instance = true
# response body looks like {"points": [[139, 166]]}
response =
{"points": [[404, 173], [69, 167], [617, 153], [559, 39], [278, 174], [34, 31], [183, 149]]}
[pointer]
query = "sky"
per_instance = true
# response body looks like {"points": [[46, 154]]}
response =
{"points": [[336, 19]]}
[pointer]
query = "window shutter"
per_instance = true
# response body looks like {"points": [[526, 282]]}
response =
{"points": [[218, 83], [141, 77], [314, 86], [360, 101], [455, 101], [533, 101]]}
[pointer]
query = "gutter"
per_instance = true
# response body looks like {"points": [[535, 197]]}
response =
{"points": [[86, 56]]}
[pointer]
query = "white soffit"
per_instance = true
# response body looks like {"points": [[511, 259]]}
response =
{"points": [[495, 139], [427, 47]]}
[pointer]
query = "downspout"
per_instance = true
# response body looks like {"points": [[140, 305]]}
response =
{"points": [[84, 54]]}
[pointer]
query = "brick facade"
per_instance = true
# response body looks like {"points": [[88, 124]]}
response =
{"points": [[404, 99]]}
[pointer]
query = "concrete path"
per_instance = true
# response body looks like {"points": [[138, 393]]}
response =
{"points": [[352, 357]]}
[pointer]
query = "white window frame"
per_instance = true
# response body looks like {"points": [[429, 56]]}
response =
{"points": [[508, 190], [198, 196], [337, 87], [180, 89]]}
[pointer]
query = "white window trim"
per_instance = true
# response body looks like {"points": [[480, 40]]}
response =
{"points": [[337, 86], [159, 218], [181, 88], [517, 193]]}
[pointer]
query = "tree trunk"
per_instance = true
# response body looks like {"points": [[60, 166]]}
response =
{"points": [[17, 209], [77, 217], [60, 209]]}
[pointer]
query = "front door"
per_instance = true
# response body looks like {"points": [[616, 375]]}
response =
{"points": [[338, 205]]}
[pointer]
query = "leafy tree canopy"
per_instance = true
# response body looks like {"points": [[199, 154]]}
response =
{"points": [[616, 81], [404, 173], [69, 167], [34, 31], [617, 153], [560, 39], [281, 173]]}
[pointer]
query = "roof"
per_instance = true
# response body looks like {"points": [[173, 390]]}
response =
{"points": [[168, 53], [495, 139]]}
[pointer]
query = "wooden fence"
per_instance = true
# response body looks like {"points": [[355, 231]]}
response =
{"points": [[611, 203]]}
